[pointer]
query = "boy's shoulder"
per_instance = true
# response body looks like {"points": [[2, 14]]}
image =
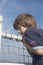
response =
{"points": [[34, 33], [35, 30]]}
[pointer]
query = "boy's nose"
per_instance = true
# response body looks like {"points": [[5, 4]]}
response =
{"points": [[18, 31]]}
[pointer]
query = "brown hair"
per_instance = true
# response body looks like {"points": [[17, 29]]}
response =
{"points": [[25, 20]]}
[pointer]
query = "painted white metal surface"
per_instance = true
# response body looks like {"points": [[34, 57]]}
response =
{"points": [[10, 64], [1, 19]]}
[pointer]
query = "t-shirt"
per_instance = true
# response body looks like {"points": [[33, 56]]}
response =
{"points": [[34, 37]]}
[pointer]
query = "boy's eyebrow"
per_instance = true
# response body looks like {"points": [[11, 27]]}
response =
{"points": [[17, 28]]}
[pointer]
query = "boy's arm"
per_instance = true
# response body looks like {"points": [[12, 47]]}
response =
{"points": [[33, 42], [37, 51]]}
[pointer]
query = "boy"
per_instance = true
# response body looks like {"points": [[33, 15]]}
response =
{"points": [[32, 36]]}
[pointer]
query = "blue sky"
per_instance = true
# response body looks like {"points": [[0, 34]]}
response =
{"points": [[10, 9]]}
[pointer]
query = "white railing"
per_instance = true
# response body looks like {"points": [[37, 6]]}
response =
{"points": [[11, 36]]}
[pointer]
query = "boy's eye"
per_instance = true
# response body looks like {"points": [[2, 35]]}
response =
{"points": [[18, 28]]}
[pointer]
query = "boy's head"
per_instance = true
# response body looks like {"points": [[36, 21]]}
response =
{"points": [[24, 20]]}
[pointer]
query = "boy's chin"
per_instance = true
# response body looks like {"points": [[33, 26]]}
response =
{"points": [[21, 33]]}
